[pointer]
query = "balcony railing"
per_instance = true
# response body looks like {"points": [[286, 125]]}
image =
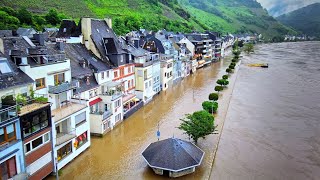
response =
{"points": [[114, 94], [8, 113], [65, 136]]}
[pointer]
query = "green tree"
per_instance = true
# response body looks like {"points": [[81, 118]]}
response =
{"points": [[24, 16], [218, 88], [198, 125], [210, 107], [52, 17], [7, 21], [213, 97], [248, 48], [220, 82]]}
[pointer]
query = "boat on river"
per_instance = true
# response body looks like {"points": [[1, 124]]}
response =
{"points": [[263, 65]]}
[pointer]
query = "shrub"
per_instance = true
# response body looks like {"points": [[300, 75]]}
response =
{"points": [[231, 67], [213, 97], [229, 70], [233, 64], [234, 60], [210, 107], [218, 88], [220, 82], [225, 77]]}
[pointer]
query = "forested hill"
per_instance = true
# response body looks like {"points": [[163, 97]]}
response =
{"points": [[232, 16], [306, 19]]}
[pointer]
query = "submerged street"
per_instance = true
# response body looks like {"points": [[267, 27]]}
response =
{"points": [[117, 155]]}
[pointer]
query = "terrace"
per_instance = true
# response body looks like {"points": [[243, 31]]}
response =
{"points": [[66, 110]]}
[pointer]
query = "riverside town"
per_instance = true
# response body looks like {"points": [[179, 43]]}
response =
{"points": [[63, 86]]}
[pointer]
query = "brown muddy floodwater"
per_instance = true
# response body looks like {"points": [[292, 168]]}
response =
{"points": [[272, 129], [117, 155]]}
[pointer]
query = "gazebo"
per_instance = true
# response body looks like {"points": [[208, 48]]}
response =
{"points": [[173, 157]]}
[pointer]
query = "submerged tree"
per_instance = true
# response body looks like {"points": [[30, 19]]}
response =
{"points": [[213, 97], [218, 88], [198, 125], [248, 48], [210, 107]]}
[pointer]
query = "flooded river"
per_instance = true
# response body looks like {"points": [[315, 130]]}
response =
{"points": [[272, 129], [117, 155]]}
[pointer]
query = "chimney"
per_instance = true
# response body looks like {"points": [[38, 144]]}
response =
{"points": [[60, 46], [88, 82], [39, 38], [109, 22]]}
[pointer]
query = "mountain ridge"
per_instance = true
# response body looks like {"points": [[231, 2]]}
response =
{"points": [[306, 19], [173, 15]]}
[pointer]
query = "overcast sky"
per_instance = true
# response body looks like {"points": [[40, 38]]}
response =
{"points": [[285, 5]]}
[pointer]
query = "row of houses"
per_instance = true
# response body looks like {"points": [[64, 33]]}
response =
{"points": [[57, 89]]}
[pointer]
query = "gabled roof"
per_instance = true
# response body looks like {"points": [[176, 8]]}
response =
{"points": [[78, 54], [105, 39], [68, 28], [16, 78], [84, 85], [173, 154], [158, 43], [5, 33]]}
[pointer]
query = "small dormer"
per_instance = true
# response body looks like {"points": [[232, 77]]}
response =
{"points": [[5, 67]]}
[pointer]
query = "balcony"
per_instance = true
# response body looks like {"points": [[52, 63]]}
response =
{"points": [[145, 64], [66, 110], [65, 136], [8, 113], [100, 116], [114, 94], [128, 111]]}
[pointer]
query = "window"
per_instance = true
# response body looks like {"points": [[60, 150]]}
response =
{"points": [[117, 103], [118, 117], [8, 168], [115, 74], [36, 143], [146, 85], [4, 67], [35, 122], [121, 72], [40, 83], [93, 93], [7, 134], [106, 125], [129, 70], [129, 85], [80, 118], [59, 79], [132, 83], [107, 74], [81, 140], [64, 151], [102, 75], [149, 83], [132, 68], [165, 74]]}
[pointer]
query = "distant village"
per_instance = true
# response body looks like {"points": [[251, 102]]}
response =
{"points": [[62, 86]]}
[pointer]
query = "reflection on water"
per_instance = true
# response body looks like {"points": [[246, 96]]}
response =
{"points": [[118, 154], [272, 130]]}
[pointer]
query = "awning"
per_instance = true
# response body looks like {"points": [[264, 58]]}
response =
{"points": [[201, 62], [136, 99], [127, 98], [95, 101]]}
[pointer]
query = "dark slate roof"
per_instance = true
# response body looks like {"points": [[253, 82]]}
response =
{"points": [[68, 28], [60, 88], [158, 43], [5, 33], [137, 52], [78, 54], [84, 86], [101, 33], [173, 154], [16, 78]]}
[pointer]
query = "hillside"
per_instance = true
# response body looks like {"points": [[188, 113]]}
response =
{"points": [[232, 16], [306, 19]]}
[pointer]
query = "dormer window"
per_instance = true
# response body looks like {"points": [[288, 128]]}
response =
{"points": [[4, 67], [64, 30]]}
